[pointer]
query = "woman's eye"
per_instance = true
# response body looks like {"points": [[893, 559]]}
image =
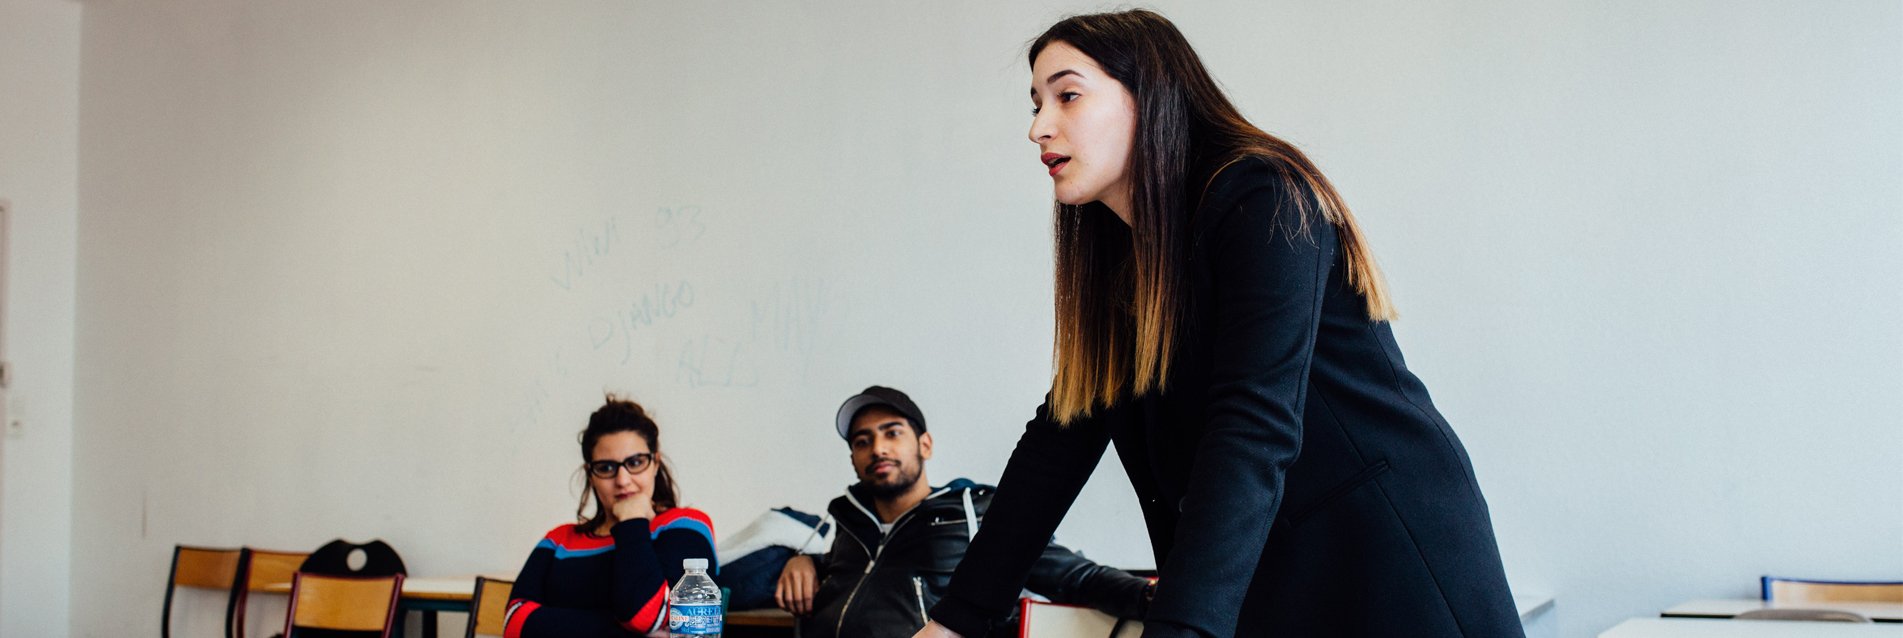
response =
{"points": [[1034, 111], [1068, 96]]}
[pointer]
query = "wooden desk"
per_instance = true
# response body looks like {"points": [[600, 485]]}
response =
{"points": [[431, 595], [1729, 607], [1710, 628], [455, 588], [770, 619], [760, 618], [759, 623], [1528, 606]]}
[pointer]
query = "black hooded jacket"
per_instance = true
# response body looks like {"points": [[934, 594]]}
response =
{"points": [[873, 584]]}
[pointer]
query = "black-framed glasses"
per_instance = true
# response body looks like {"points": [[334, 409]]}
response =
{"points": [[608, 469]]}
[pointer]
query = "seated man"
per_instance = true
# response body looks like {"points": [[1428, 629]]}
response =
{"points": [[899, 539]]}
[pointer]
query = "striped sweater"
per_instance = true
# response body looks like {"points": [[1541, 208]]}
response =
{"points": [[579, 585]]}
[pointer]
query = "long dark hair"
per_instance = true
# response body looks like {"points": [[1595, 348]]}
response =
{"points": [[1120, 290], [622, 415]]}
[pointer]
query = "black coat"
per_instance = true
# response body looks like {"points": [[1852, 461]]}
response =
{"points": [[1294, 477], [874, 584]]}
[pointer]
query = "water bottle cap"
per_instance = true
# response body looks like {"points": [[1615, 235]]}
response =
{"points": [[694, 563]]}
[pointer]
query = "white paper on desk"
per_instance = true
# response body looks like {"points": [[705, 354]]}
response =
{"points": [[1051, 620]]}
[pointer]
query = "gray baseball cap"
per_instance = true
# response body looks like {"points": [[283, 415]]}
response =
{"points": [[878, 396]]}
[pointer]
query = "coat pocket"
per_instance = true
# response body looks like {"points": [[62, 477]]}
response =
{"points": [[1295, 518]]}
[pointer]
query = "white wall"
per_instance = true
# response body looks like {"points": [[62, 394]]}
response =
{"points": [[39, 142], [361, 268]]}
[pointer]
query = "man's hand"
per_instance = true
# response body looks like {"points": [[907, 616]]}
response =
{"points": [[798, 580], [935, 630]]}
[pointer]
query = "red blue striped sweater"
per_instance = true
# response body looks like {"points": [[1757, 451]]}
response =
{"points": [[579, 585]]}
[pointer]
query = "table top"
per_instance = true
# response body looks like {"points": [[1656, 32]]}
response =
{"points": [[1530, 605], [1728, 607], [458, 588], [450, 588], [772, 617], [760, 618], [1721, 628]]}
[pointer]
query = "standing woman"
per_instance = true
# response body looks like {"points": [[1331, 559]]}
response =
{"points": [[1220, 317], [609, 574]]}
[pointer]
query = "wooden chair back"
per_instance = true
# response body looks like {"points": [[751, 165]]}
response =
{"points": [[270, 570], [346, 603], [202, 568], [1792, 590], [262, 570], [489, 608]]}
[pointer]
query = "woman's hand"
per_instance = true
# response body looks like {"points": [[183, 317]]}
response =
{"points": [[633, 507], [935, 630]]}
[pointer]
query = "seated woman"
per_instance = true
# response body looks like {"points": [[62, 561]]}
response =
{"points": [[609, 575]]}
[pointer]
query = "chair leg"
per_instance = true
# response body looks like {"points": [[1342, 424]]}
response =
{"points": [[240, 593], [171, 582], [237, 621]]}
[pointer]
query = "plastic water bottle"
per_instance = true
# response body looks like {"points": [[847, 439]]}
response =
{"points": [[693, 607]]}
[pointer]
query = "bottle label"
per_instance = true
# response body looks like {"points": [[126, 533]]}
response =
{"points": [[696, 619]]}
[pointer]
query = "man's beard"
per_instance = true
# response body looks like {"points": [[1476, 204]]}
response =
{"points": [[902, 481]]}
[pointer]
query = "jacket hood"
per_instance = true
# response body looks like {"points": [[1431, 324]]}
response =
{"points": [[856, 498]]}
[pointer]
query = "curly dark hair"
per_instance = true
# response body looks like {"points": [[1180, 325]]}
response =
{"points": [[618, 414]]}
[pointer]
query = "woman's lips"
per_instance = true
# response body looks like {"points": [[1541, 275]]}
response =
{"points": [[1055, 162]]}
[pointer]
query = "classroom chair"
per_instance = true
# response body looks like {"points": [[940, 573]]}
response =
{"points": [[342, 603], [334, 559], [202, 568], [1793, 590], [263, 570], [489, 607]]}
